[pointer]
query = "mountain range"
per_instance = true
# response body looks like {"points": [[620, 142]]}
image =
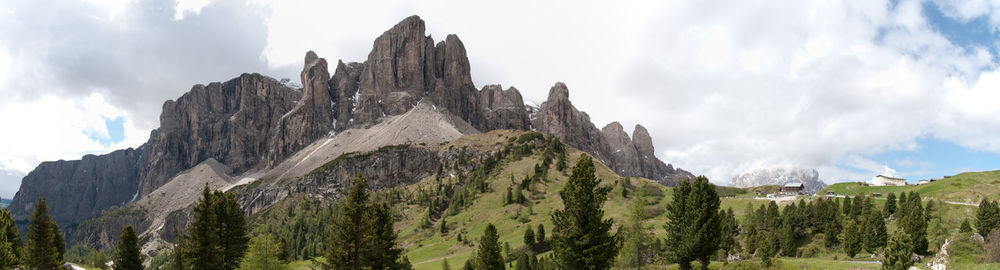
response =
{"points": [[388, 117]]}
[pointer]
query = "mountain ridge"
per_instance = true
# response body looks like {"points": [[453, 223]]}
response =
{"points": [[254, 122]]}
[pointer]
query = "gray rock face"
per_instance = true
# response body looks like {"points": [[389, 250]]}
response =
{"points": [[636, 156], [393, 78], [79, 189], [502, 109], [624, 156], [232, 122], [344, 89], [558, 116], [310, 119], [780, 176]]}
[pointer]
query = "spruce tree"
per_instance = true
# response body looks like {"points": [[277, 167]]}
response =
{"points": [[634, 236], [582, 237], [127, 254], [489, 250], [987, 217], [965, 227], [914, 224], [852, 239], [263, 253], [890, 205], [232, 229], [875, 235], [767, 248], [728, 228], [350, 238], [529, 237], [540, 236], [8, 255], [203, 247], [42, 252], [444, 264], [10, 234], [693, 226], [362, 234], [385, 254], [898, 253]]}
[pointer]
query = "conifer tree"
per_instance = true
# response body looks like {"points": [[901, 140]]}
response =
{"points": [[232, 229], [728, 228], [767, 248], [42, 252], [634, 236], [890, 205], [987, 217], [529, 237], [540, 236], [852, 239], [127, 254], [582, 237], [203, 246], [489, 250], [914, 223], [898, 253], [444, 264], [263, 253], [965, 227], [693, 226], [10, 234], [362, 234], [875, 235], [385, 255]]}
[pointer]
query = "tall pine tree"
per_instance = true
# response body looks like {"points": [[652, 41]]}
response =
{"points": [[890, 205], [914, 223], [488, 255], [875, 235], [9, 236], [582, 237], [898, 253], [362, 234], [693, 229], [263, 253], [634, 236], [127, 254], [42, 250], [987, 217], [232, 229], [202, 246]]}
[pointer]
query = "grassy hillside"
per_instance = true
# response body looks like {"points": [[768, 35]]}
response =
{"points": [[970, 187], [478, 197], [427, 247]]}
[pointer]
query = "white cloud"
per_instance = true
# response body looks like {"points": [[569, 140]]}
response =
{"points": [[723, 86]]}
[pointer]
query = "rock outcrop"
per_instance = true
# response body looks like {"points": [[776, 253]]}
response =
{"points": [[780, 176], [344, 91], [311, 118], [232, 122], [558, 116], [79, 189], [502, 109], [636, 156]]}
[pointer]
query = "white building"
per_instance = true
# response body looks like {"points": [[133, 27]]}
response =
{"points": [[882, 180]]}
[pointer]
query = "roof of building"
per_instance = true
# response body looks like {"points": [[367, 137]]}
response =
{"points": [[889, 177], [794, 184]]}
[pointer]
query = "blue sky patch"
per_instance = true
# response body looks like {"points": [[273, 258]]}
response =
{"points": [[116, 131], [934, 158], [975, 33]]}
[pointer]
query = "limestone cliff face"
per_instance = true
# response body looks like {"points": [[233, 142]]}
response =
{"points": [[232, 122], [79, 189], [502, 109], [558, 116], [311, 118], [344, 89]]}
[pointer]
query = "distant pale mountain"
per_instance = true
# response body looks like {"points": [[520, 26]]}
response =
{"points": [[780, 176]]}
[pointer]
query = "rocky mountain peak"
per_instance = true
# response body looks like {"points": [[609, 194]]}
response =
{"points": [[780, 176], [311, 118], [559, 92]]}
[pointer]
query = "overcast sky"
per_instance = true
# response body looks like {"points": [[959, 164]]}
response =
{"points": [[850, 88]]}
